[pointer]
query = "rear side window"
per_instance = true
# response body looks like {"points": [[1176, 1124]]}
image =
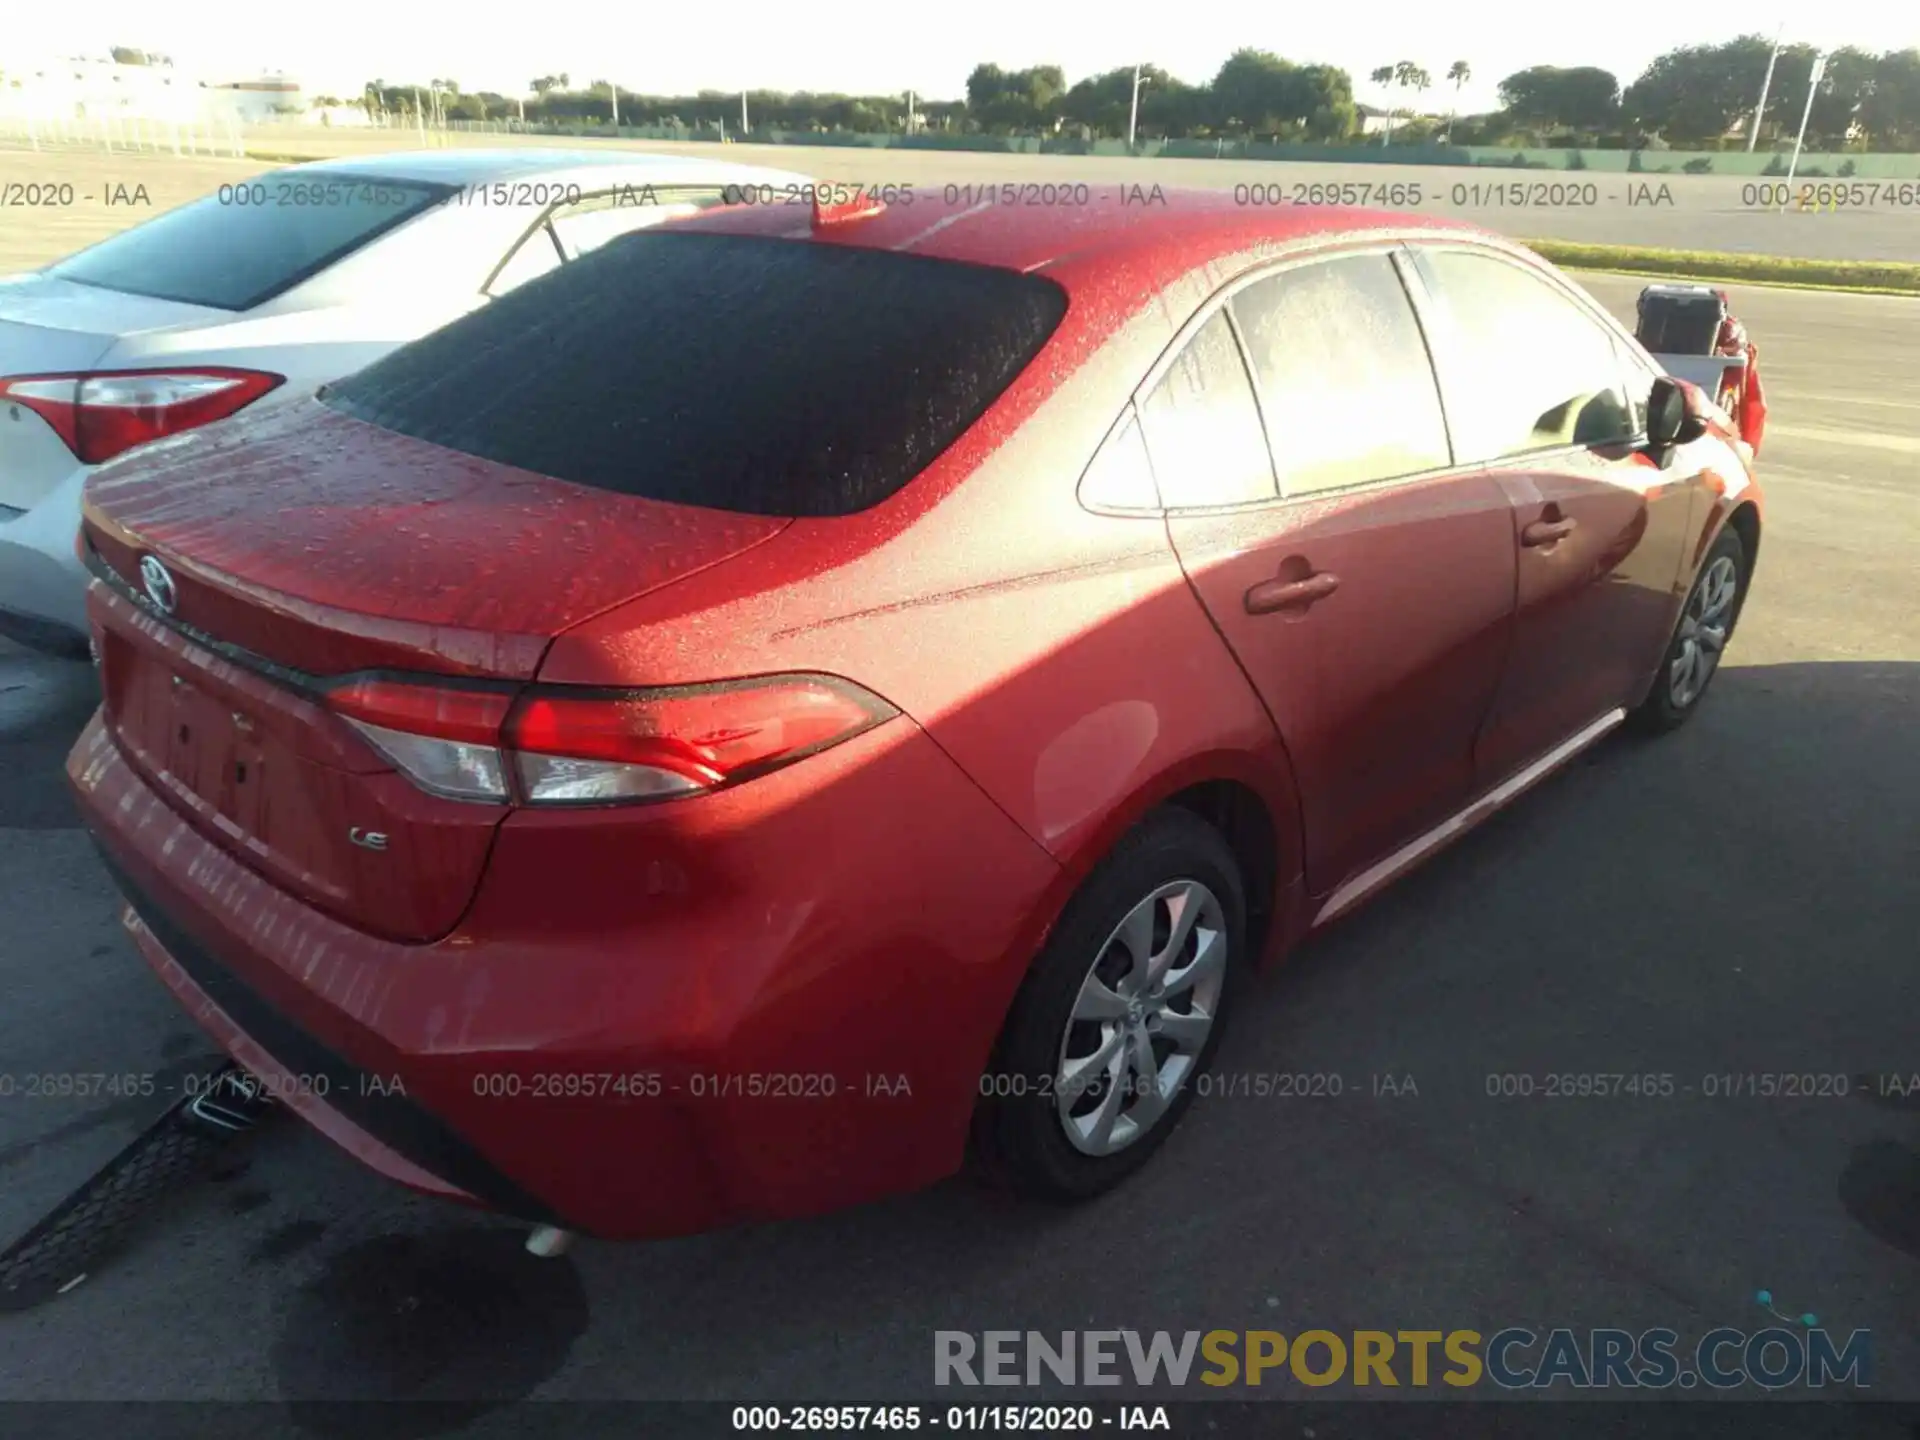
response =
{"points": [[592, 221], [1203, 426], [1121, 475], [1525, 368], [1679, 324], [251, 240], [761, 376], [1345, 383], [536, 255]]}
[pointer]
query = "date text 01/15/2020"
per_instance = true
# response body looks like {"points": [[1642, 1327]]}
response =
{"points": [[1059, 1419], [693, 1085], [1220, 1085], [1725, 1085]]}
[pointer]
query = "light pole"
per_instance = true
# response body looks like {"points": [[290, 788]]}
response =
{"points": [[1765, 85], [1133, 114], [744, 127], [1813, 87]]}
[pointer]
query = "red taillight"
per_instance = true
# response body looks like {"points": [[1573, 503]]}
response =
{"points": [[101, 414], [558, 746], [1731, 380], [441, 712], [445, 738]]}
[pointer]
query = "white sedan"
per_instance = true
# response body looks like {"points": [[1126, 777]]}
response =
{"points": [[269, 288]]}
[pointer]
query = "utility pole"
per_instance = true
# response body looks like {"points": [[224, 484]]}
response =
{"points": [[1813, 87], [744, 126], [613, 93], [1765, 85], [1133, 114]]}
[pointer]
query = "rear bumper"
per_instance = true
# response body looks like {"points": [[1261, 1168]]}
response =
{"points": [[43, 589], [624, 1037], [47, 636], [368, 1114]]}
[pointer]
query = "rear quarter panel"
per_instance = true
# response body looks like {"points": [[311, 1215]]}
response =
{"points": [[1059, 656]]}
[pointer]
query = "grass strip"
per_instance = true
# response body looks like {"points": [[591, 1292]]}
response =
{"points": [[1861, 277]]}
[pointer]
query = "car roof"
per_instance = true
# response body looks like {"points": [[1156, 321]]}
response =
{"points": [[1125, 238], [473, 167]]}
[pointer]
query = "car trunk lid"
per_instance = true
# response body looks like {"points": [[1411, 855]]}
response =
{"points": [[298, 546], [328, 545]]}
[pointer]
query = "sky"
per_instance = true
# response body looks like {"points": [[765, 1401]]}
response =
{"points": [[888, 46]]}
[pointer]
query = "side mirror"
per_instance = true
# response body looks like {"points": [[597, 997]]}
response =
{"points": [[1673, 417]]}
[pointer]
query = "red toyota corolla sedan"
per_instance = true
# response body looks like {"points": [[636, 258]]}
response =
{"points": [[796, 695]]}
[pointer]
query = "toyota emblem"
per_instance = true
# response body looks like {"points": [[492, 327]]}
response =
{"points": [[159, 584]]}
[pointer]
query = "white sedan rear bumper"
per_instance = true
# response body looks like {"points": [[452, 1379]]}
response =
{"points": [[43, 586]]}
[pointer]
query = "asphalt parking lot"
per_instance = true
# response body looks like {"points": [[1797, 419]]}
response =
{"points": [[1740, 899]]}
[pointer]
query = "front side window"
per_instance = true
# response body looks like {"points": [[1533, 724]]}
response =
{"points": [[1638, 378], [1345, 383], [1203, 426], [1525, 368]]}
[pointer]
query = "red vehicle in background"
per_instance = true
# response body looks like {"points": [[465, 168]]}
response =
{"points": [[1691, 330], [783, 701]]}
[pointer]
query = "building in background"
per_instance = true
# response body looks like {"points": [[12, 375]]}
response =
{"points": [[85, 91]]}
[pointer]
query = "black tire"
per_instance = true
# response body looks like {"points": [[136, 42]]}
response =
{"points": [[1662, 711], [1019, 1134]]}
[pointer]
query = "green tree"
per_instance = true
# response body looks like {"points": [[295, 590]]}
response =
{"points": [[1409, 76], [1550, 97], [1258, 93], [1012, 101], [1845, 84], [1890, 111], [1102, 102], [1699, 93], [1460, 72]]}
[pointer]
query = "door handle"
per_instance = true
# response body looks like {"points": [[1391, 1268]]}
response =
{"points": [[1271, 595], [1546, 532]]}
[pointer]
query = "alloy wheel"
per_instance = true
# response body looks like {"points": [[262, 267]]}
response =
{"points": [[1142, 1017], [1704, 627]]}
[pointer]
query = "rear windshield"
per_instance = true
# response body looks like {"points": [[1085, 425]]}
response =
{"points": [[1679, 325], [742, 373], [250, 240]]}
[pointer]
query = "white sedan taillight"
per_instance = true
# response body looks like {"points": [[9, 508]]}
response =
{"points": [[100, 414], [555, 745]]}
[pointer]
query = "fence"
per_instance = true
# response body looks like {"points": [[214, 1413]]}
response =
{"points": [[1812, 164], [197, 135], [217, 133]]}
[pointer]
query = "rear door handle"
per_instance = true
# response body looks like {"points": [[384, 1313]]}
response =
{"points": [[1271, 595], [1546, 532]]}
